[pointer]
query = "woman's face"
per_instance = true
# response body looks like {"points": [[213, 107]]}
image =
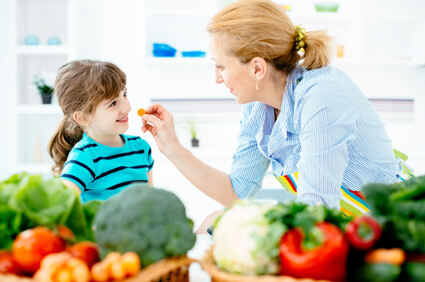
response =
{"points": [[239, 78]]}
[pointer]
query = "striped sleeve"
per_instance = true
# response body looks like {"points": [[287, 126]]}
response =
{"points": [[79, 169], [328, 123], [249, 165], [147, 148]]}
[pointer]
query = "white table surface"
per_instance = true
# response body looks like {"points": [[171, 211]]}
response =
{"points": [[196, 273]]}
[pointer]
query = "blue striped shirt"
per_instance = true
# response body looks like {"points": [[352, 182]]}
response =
{"points": [[101, 171], [327, 130]]}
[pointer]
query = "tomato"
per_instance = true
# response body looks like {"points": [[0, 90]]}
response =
{"points": [[363, 232], [65, 233], [86, 251], [32, 245], [8, 263]]}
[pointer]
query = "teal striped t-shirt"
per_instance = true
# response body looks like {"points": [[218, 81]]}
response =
{"points": [[101, 171]]}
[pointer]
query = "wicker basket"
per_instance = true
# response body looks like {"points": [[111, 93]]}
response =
{"points": [[166, 270], [218, 275]]}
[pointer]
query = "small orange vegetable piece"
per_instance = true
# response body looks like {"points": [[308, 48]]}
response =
{"points": [[99, 273], [131, 263], [394, 256], [141, 112]]}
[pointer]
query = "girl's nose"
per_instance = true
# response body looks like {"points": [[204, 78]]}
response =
{"points": [[126, 107]]}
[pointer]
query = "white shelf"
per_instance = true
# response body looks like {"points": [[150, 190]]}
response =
{"points": [[42, 50], [38, 109], [393, 17], [322, 18], [178, 60], [178, 13], [34, 168], [365, 62]]}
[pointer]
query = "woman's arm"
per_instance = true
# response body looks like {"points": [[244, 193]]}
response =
{"points": [[214, 183]]}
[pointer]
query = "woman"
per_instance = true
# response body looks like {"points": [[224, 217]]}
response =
{"points": [[309, 121]]}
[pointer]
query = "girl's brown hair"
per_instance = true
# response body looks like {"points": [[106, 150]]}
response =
{"points": [[260, 28], [80, 86]]}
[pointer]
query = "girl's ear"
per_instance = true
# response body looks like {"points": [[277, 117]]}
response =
{"points": [[80, 118], [259, 67]]}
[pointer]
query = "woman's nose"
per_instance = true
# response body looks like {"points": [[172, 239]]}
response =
{"points": [[218, 78]]}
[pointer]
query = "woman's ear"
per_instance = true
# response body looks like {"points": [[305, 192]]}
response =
{"points": [[259, 67], [80, 118]]}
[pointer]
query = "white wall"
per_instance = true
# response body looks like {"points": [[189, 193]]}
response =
{"points": [[7, 87]]}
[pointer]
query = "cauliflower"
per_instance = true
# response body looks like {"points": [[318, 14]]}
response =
{"points": [[245, 241]]}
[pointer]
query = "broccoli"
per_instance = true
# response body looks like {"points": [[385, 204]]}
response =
{"points": [[149, 221]]}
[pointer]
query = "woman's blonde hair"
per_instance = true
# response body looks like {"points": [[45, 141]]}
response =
{"points": [[261, 28], [80, 86]]}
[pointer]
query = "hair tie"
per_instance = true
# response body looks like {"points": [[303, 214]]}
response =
{"points": [[299, 39]]}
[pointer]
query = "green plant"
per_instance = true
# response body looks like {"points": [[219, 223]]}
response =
{"points": [[42, 87], [192, 129]]}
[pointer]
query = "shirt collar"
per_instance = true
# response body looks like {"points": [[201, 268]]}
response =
{"points": [[286, 115]]}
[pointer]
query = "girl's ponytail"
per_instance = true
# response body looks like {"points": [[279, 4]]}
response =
{"points": [[63, 139]]}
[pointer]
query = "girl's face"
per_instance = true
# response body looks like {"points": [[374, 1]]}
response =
{"points": [[239, 78], [110, 118]]}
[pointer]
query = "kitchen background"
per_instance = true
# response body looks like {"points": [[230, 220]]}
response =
{"points": [[379, 43]]}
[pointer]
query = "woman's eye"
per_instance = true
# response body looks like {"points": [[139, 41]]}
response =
{"points": [[125, 94], [113, 103]]}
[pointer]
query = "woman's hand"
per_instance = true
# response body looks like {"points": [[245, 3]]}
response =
{"points": [[160, 123], [208, 221]]}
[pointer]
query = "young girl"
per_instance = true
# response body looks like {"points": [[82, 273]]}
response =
{"points": [[90, 152]]}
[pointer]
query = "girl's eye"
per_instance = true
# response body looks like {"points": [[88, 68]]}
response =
{"points": [[113, 103], [125, 94]]}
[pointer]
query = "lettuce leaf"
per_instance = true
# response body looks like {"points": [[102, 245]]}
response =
{"points": [[27, 201]]}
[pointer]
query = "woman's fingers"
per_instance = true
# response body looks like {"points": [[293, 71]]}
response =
{"points": [[150, 128], [148, 118], [156, 109]]}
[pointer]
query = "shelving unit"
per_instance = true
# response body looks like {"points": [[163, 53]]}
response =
{"points": [[382, 41], [35, 122], [373, 34]]}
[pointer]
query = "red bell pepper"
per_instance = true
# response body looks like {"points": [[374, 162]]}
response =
{"points": [[363, 232], [325, 261]]}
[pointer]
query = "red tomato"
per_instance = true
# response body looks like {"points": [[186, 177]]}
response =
{"points": [[8, 263], [65, 233], [32, 245], [86, 251]]}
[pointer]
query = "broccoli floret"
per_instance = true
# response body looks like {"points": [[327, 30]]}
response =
{"points": [[149, 221]]}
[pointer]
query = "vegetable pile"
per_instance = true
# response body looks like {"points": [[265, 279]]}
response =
{"points": [[254, 238], [46, 232], [27, 201]]}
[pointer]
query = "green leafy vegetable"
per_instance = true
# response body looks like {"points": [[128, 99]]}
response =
{"points": [[400, 209], [27, 201]]}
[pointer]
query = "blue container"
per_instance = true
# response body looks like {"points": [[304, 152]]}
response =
{"points": [[53, 41], [31, 39], [193, 54], [163, 50]]}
